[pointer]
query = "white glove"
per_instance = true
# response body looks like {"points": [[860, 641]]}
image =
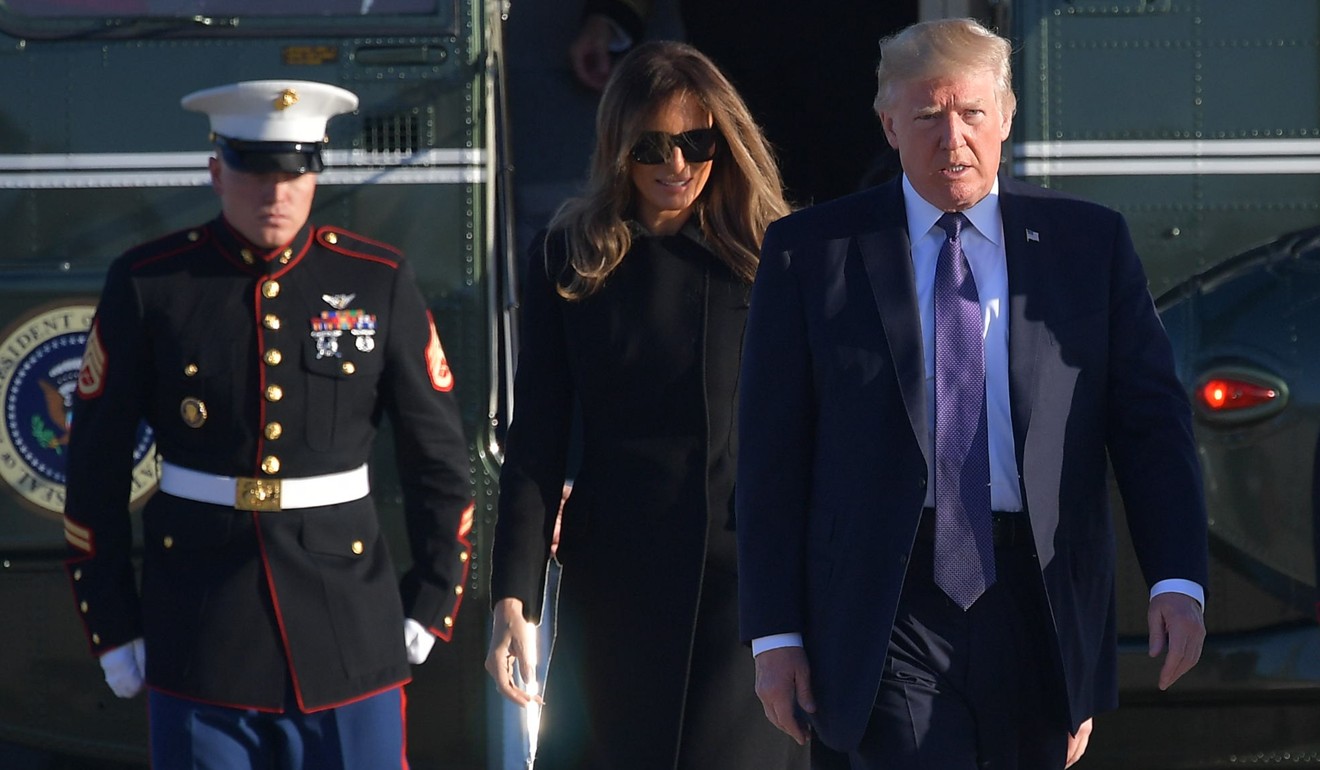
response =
{"points": [[417, 640], [125, 668]]}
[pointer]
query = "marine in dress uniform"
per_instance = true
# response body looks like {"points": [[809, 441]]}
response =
{"points": [[263, 351]]}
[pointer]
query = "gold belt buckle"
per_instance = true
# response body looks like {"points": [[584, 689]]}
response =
{"points": [[257, 494]]}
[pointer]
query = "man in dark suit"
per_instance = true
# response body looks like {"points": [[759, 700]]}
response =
{"points": [[917, 620]]}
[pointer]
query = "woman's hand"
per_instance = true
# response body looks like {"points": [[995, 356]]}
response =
{"points": [[513, 645]]}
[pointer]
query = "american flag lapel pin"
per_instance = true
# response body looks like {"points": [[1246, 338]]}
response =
{"points": [[1033, 236]]}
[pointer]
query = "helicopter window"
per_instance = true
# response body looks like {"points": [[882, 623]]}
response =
{"points": [[192, 8]]}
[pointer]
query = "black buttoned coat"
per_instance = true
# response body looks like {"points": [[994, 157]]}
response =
{"points": [[650, 362], [275, 366]]}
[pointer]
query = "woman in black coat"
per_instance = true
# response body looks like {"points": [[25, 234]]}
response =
{"points": [[633, 312]]}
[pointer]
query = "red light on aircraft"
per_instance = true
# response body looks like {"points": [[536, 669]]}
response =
{"points": [[1225, 394]]}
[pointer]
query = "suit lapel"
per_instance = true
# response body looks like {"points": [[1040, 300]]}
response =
{"points": [[1025, 253], [886, 254]]}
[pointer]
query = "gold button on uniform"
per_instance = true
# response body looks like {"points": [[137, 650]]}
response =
{"points": [[96, 638], [449, 622], [193, 235], [77, 574], [193, 412], [271, 321], [274, 430], [274, 392], [270, 289], [274, 357], [458, 590], [190, 370], [331, 238], [168, 542], [357, 547], [271, 465], [463, 556], [286, 256], [83, 606], [347, 367]]}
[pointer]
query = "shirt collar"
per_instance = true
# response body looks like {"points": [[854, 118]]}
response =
{"points": [[984, 216]]}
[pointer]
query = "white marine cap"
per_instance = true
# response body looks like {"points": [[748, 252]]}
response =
{"points": [[267, 125]]}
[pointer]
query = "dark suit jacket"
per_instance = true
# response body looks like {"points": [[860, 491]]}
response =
{"points": [[832, 475]]}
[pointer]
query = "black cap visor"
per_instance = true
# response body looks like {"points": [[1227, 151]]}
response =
{"points": [[270, 157]]}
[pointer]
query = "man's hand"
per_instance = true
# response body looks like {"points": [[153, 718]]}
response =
{"points": [[783, 684], [1077, 743], [1176, 625], [125, 668], [417, 640], [590, 51], [512, 644]]}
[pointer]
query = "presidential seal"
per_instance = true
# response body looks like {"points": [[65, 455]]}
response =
{"points": [[40, 360]]}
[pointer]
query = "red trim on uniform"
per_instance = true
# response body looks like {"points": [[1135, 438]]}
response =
{"points": [[73, 589], [228, 255], [284, 638], [266, 255], [465, 522], [269, 710], [241, 238], [258, 312], [403, 725], [342, 249], [233, 260], [96, 361], [464, 528], [203, 236], [90, 556], [70, 564], [437, 366], [293, 260], [275, 605], [339, 704], [341, 231]]}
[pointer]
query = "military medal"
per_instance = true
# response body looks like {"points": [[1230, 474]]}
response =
{"points": [[364, 339], [330, 325]]}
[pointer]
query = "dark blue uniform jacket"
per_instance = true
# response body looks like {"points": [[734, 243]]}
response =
{"points": [[271, 366]]}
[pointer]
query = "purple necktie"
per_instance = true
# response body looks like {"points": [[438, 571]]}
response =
{"points": [[964, 549]]}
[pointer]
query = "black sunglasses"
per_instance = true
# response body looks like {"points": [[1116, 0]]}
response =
{"points": [[655, 147]]}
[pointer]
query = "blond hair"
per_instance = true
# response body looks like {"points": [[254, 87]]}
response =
{"points": [[940, 48]]}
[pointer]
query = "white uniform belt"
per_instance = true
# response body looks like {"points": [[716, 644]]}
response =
{"points": [[254, 494]]}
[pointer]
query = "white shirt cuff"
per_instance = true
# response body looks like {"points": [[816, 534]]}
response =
{"points": [[1180, 586], [775, 641]]}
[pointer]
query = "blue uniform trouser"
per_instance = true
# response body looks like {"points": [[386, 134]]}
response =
{"points": [[363, 735]]}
